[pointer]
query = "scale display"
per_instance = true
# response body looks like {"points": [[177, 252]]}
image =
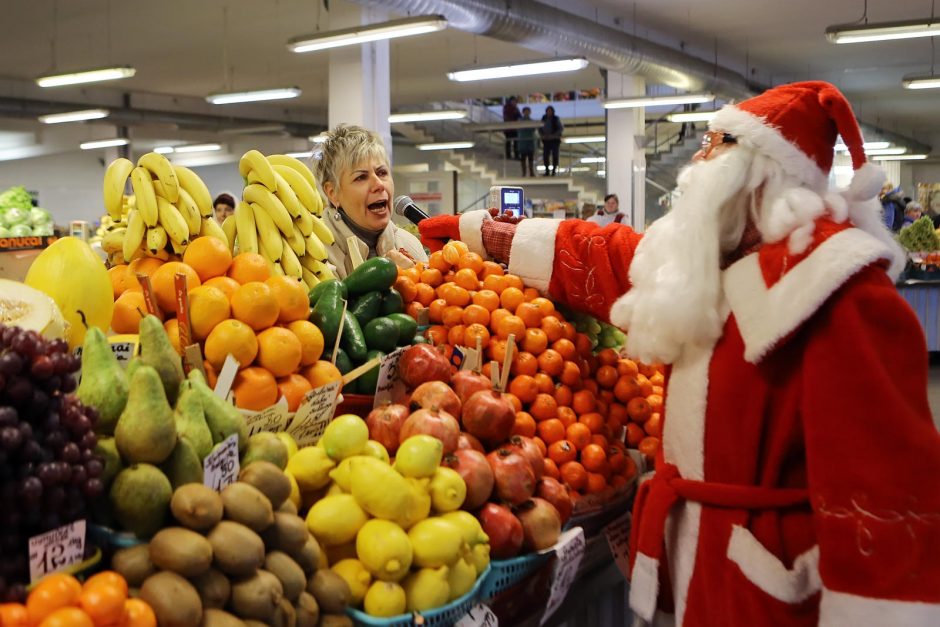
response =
{"points": [[507, 199]]}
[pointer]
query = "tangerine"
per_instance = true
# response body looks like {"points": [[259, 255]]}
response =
{"points": [[452, 315], [524, 425], [593, 421], [406, 287], [424, 294], [254, 304], [163, 281], [454, 294], [467, 279], [231, 336], [488, 299], [594, 458], [570, 374], [121, 280], [491, 268], [432, 276], [566, 349], [584, 402], [293, 387], [550, 469], [552, 328], [544, 407], [639, 409], [583, 344], [627, 368], [545, 306], [578, 434], [606, 376], [535, 341], [550, 361], [476, 314], [144, 265], [563, 395], [551, 430], [608, 357], [567, 416], [455, 335], [649, 447], [546, 383], [254, 388], [655, 401], [321, 373], [525, 387], [436, 310], [626, 388], [208, 306], [475, 332], [510, 325], [129, 309], [494, 282], [511, 298], [67, 617], [654, 426], [596, 483], [138, 613], [569, 331], [513, 280], [562, 452], [104, 602], [436, 334], [524, 363], [248, 267], [471, 261], [437, 262], [279, 351], [574, 475], [513, 400], [634, 433], [228, 285], [208, 256]]}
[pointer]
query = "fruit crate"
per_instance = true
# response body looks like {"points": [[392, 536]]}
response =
{"points": [[504, 574], [443, 616]]}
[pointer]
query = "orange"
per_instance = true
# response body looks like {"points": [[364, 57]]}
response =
{"points": [[424, 294], [545, 306], [254, 304], [291, 295], [524, 363], [535, 341], [293, 387], [510, 325], [172, 327], [513, 280], [617, 411], [657, 379], [491, 268], [254, 388], [639, 409], [626, 388], [524, 425], [455, 335], [14, 615], [570, 374], [594, 458], [563, 395], [67, 617], [138, 613], [454, 294], [231, 336], [513, 400], [551, 430], [525, 387], [583, 344], [476, 314], [144, 265], [122, 280], [432, 276], [248, 267], [649, 447], [574, 475], [208, 256], [592, 420], [467, 279], [546, 383], [476, 331], [562, 452], [634, 433], [566, 349], [51, 593], [407, 288], [579, 434], [436, 310], [569, 331], [511, 298], [530, 314], [311, 340], [530, 294], [452, 315], [228, 285], [550, 361], [627, 367], [496, 316], [129, 308], [471, 261], [454, 250], [606, 377], [279, 351], [654, 426], [655, 401], [607, 357], [104, 603], [646, 388], [436, 334], [552, 328], [596, 482], [583, 402], [437, 262], [567, 416], [488, 299], [494, 282], [413, 273], [544, 407], [208, 306], [321, 373], [163, 282], [212, 376], [497, 351]]}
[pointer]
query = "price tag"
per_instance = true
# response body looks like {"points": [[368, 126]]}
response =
{"points": [[568, 553], [56, 549], [182, 308], [314, 414], [390, 387], [272, 419], [618, 538], [466, 358], [226, 377], [220, 467], [478, 616], [149, 299]]}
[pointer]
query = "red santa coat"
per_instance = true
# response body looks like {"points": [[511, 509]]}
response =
{"points": [[799, 477]]}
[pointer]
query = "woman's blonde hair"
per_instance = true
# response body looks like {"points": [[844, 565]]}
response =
{"points": [[345, 147]]}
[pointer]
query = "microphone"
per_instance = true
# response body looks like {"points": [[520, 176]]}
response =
{"points": [[406, 207]]}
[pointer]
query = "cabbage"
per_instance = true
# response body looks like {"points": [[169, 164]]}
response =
{"points": [[21, 230], [15, 215], [4, 232], [43, 229], [38, 216], [16, 197]]}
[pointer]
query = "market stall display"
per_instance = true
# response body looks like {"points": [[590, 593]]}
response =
{"points": [[18, 216]]}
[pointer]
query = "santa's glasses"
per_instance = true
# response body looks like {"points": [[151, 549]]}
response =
{"points": [[713, 139]]}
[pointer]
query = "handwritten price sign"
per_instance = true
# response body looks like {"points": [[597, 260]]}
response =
{"points": [[220, 467], [478, 616], [618, 538], [390, 386], [56, 549], [314, 414], [569, 550]]}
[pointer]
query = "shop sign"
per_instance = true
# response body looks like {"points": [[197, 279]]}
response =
{"points": [[30, 242], [57, 549]]}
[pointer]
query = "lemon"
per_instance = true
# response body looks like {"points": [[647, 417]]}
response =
{"points": [[376, 450], [426, 589], [345, 436], [385, 599], [289, 442], [340, 474], [447, 490], [480, 556], [419, 456], [335, 520], [419, 503], [470, 527], [436, 542], [460, 578], [378, 489], [310, 467], [356, 575], [294, 490], [335, 488], [384, 549]]}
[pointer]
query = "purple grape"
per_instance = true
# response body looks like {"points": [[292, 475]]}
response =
{"points": [[31, 489], [58, 346], [68, 384], [60, 363], [40, 402], [16, 593], [92, 414], [70, 453], [54, 497], [93, 468], [81, 426], [26, 430], [24, 344], [93, 488], [10, 438], [55, 440], [31, 451], [88, 441], [19, 390], [65, 472], [42, 367], [47, 474], [10, 363], [8, 416], [79, 476], [46, 456], [51, 422], [3, 381]]}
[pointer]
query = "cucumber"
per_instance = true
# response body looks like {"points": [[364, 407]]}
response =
{"points": [[353, 340], [367, 307], [377, 273], [392, 302], [381, 334], [367, 383], [407, 327], [318, 289], [328, 311]]}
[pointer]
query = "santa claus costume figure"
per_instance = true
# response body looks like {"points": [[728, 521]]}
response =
{"points": [[799, 477]]}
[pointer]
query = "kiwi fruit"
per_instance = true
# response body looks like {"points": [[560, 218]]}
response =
{"points": [[308, 557], [288, 507], [196, 506], [335, 620], [214, 617], [180, 550], [308, 611], [290, 574], [256, 596], [268, 478], [330, 590], [288, 533], [246, 504], [173, 599], [254, 623], [236, 549], [285, 615], [133, 563], [213, 587]]}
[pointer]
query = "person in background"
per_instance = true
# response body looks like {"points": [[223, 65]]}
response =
{"points": [[224, 207], [892, 205], [912, 213], [525, 146], [357, 180], [551, 131], [609, 213], [511, 114]]}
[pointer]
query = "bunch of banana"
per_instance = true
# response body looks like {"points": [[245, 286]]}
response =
{"points": [[279, 217], [171, 207]]}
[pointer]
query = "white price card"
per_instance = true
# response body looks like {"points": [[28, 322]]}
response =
{"points": [[390, 386], [56, 549], [618, 537], [569, 550], [314, 414], [226, 377], [478, 616], [220, 467], [272, 419]]}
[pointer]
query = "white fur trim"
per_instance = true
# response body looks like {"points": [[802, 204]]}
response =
{"points": [[866, 182], [767, 572], [471, 230], [682, 532], [532, 254], [620, 313], [765, 316], [644, 586], [837, 609], [754, 131]]}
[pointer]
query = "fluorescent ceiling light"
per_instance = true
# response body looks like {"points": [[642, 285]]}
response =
{"points": [[884, 31], [899, 157], [928, 81], [445, 146], [300, 155], [163, 150], [656, 101], [418, 25], [104, 143], [692, 116], [866, 146], [87, 76], [254, 96], [593, 159], [318, 139], [74, 116], [198, 148], [894, 150], [584, 139], [602, 173], [426, 116], [528, 68], [579, 168]]}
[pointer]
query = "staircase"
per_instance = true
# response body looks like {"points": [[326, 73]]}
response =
{"points": [[664, 159]]}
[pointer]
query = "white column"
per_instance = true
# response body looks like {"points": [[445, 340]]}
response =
{"points": [[359, 75], [626, 160]]}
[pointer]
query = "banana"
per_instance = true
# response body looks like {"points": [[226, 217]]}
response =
{"points": [[115, 178], [287, 196], [245, 228], [309, 278], [269, 238], [161, 168], [295, 164], [211, 228], [323, 231], [228, 227], [190, 211], [322, 270], [142, 183], [255, 193], [315, 247], [113, 240], [173, 221], [296, 242], [309, 262], [134, 234], [278, 269], [178, 248], [302, 188], [254, 160], [156, 239], [191, 182], [163, 255], [304, 223], [289, 260]]}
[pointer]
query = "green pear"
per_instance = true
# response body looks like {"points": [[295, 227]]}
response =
{"points": [[140, 499], [191, 420], [107, 449], [267, 447], [104, 381], [183, 466], [157, 352], [222, 417], [146, 430]]}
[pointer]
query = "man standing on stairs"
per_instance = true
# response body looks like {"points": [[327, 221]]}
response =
{"points": [[551, 131], [610, 213], [511, 114], [525, 146]]}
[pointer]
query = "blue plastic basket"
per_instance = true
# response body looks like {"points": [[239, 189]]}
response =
{"points": [[504, 574], [111, 539], [443, 616]]}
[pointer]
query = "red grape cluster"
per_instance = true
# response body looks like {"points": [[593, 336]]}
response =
{"points": [[48, 467], [506, 216]]}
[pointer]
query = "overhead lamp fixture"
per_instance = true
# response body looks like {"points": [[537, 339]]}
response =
{"points": [[197, 148], [692, 116], [445, 146], [163, 150], [104, 143], [866, 146], [253, 96], [74, 116], [579, 168], [300, 155], [584, 139], [526, 68], [406, 27], [318, 139], [86, 76], [658, 101], [924, 81], [917, 157], [593, 159], [894, 150], [884, 31], [426, 116], [602, 173]]}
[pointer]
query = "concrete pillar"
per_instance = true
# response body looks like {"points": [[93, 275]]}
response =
{"points": [[359, 75], [626, 160]]}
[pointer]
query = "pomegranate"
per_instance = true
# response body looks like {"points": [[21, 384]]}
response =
{"points": [[384, 424], [435, 422], [504, 530], [466, 382], [541, 524], [465, 440], [531, 451], [476, 473], [515, 479], [421, 363], [435, 394], [488, 416], [557, 494]]}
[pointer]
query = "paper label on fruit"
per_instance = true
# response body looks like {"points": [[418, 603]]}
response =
{"points": [[314, 414], [618, 538], [478, 616], [220, 468], [56, 549], [273, 419], [390, 386], [569, 550], [223, 384]]}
